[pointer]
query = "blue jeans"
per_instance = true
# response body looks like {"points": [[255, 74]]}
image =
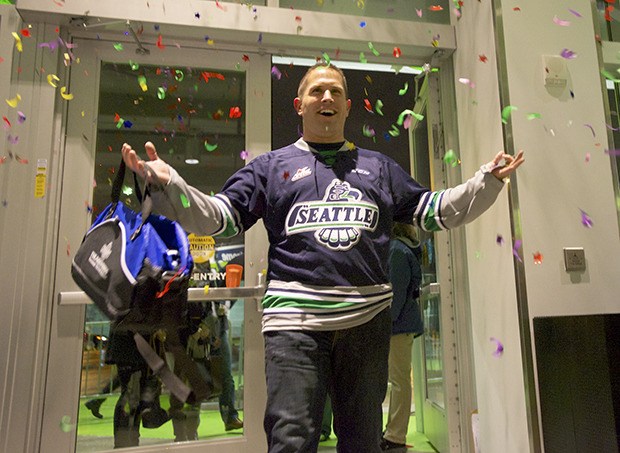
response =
{"points": [[303, 366]]}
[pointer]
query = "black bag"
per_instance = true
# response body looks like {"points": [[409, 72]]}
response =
{"points": [[136, 269]]}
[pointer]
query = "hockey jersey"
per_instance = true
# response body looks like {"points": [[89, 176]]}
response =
{"points": [[329, 225]]}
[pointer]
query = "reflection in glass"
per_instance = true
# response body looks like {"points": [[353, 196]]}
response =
{"points": [[433, 11], [432, 351], [195, 117]]}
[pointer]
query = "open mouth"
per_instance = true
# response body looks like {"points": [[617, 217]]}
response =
{"points": [[327, 112]]}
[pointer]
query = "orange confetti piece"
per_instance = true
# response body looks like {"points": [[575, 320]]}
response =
{"points": [[397, 52], [26, 33], [435, 8]]}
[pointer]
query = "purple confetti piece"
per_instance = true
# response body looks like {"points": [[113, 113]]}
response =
{"points": [[12, 140], [499, 347], [21, 117], [613, 152], [591, 128], [568, 54], [515, 250], [244, 155], [609, 126], [499, 240], [275, 72], [586, 221], [260, 38], [574, 13]]}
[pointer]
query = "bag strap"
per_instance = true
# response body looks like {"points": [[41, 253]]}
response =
{"points": [[160, 369]]}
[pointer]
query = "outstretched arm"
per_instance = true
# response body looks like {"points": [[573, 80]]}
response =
{"points": [[456, 206]]}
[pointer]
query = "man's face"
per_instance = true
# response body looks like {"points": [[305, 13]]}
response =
{"points": [[323, 106]]}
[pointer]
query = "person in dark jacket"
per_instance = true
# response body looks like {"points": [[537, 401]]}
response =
{"points": [[407, 323]]}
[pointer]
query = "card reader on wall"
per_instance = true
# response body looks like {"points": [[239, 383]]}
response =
{"points": [[555, 72]]}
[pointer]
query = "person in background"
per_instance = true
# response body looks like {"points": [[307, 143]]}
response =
{"points": [[407, 324], [328, 207]]}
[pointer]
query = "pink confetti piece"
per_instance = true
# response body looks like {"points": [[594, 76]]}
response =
{"points": [[12, 140], [244, 155], [499, 347], [560, 22], [21, 117], [591, 128], [568, 54], [466, 81], [586, 221], [515, 250], [418, 12], [587, 157], [275, 72]]}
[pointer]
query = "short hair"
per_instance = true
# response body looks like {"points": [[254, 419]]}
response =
{"points": [[304, 79], [405, 230]]}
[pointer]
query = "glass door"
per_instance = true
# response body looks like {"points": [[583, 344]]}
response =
{"points": [[192, 104], [430, 355]]}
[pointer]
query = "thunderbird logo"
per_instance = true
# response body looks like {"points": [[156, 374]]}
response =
{"points": [[337, 220]]}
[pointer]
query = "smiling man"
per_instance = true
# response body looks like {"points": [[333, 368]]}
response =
{"points": [[328, 208]]}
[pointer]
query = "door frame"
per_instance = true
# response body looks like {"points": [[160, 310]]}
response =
{"points": [[61, 401]]}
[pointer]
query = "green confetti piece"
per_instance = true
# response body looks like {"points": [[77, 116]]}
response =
{"points": [[506, 112], [394, 132], [533, 116], [373, 50], [161, 93], [65, 424], [126, 190], [184, 201], [120, 123], [134, 66], [379, 106], [209, 147], [178, 75], [363, 58], [118, 46], [142, 83], [326, 58], [450, 158], [403, 90]]}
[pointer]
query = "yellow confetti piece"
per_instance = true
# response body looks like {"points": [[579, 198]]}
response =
{"points": [[206, 290], [142, 83], [13, 102], [18, 42], [66, 96], [52, 79]]}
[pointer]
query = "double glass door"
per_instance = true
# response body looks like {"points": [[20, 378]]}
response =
{"points": [[192, 104]]}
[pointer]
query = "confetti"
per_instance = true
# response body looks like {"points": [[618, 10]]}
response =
{"points": [[560, 22], [184, 201], [379, 107], [499, 347], [159, 43], [435, 8], [118, 46], [7, 123], [538, 258], [418, 12], [368, 131], [234, 113], [223, 8], [275, 72], [161, 93], [326, 58], [394, 132], [586, 221], [403, 90], [483, 58], [66, 96], [450, 158], [12, 140], [65, 422], [18, 42], [368, 106], [244, 155], [533, 116], [373, 50], [466, 81], [142, 83], [499, 240], [13, 102], [363, 58], [397, 52], [407, 112], [25, 32], [568, 54], [613, 152], [209, 147], [506, 112], [515, 250], [362, 24], [591, 128], [574, 13]]}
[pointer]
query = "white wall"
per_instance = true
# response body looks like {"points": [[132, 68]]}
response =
{"points": [[553, 185]]}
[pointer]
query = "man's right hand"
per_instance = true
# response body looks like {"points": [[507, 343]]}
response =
{"points": [[137, 165]]}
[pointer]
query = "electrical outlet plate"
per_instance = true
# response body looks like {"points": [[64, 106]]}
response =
{"points": [[574, 259]]}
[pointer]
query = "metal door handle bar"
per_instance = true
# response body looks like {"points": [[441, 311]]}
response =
{"points": [[429, 291]]}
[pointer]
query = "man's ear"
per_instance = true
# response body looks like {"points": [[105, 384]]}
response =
{"points": [[348, 106], [297, 104]]}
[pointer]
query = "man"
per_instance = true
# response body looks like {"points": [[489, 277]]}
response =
{"points": [[328, 208]]}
